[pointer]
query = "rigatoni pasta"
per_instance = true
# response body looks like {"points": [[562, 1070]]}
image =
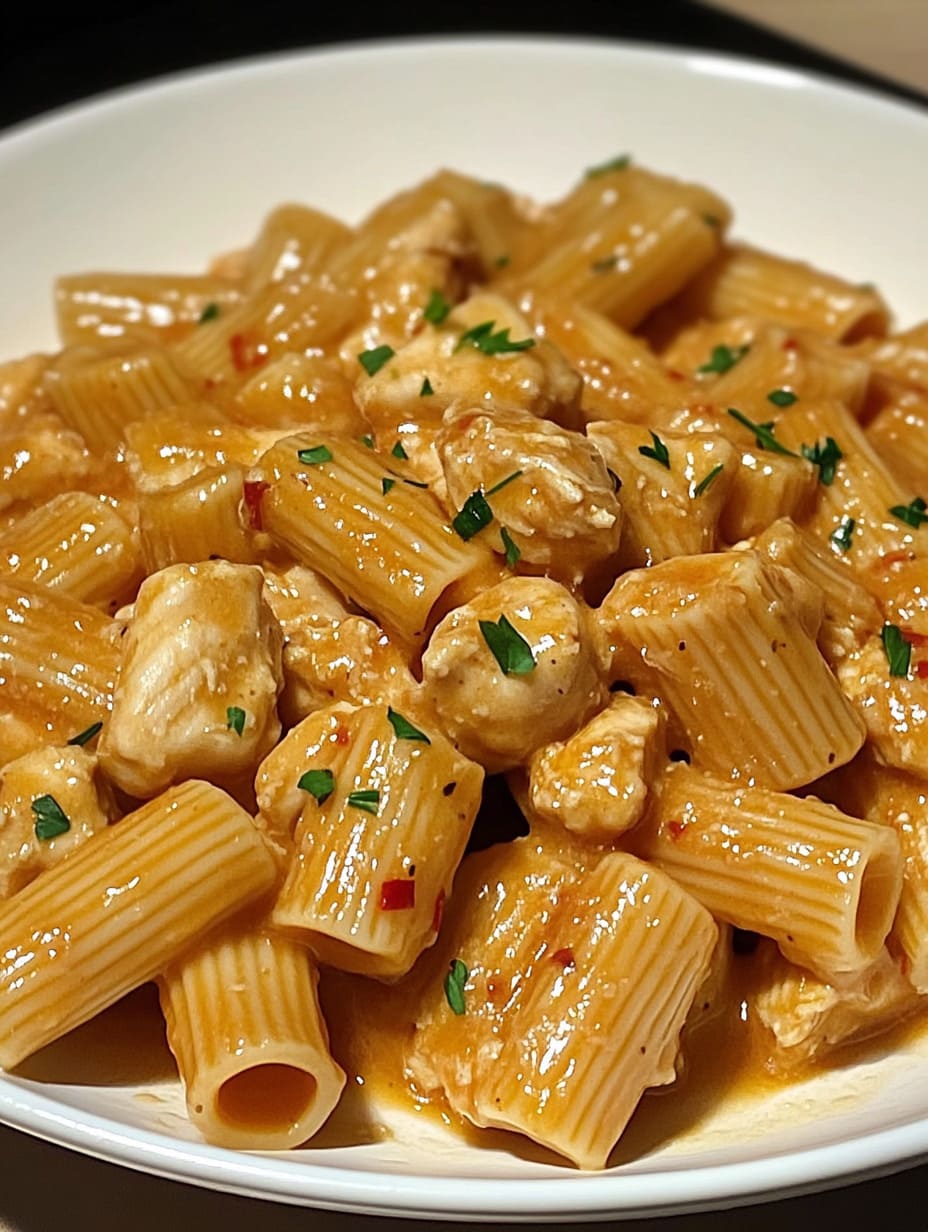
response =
{"points": [[497, 600]]}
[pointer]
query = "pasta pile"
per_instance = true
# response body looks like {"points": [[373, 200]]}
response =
{"points": [[301, 555]]}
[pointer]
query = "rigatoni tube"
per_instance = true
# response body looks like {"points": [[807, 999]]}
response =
{"points": [[823, 885], [244, 1024], [120, 909]]}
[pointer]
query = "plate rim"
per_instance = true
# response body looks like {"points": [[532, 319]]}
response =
{"points": [[581, 1196]]}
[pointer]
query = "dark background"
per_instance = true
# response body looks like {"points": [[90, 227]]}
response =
{"points": [[48, 61]]}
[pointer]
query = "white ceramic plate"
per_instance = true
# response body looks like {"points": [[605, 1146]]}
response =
{"points": [[162, 177]]}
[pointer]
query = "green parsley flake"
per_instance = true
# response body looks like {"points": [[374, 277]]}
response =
{"points": [[437, 308], [319, 783], [50, 819], [782, 397], [501, 261], [372, 361], [826, 457], [763, 434], [426, 391], [711, 220], [368, 801], [399, 452], [86, 735], [498, 487], [708, 480], [386, 485], [404, 729], [913, 514], [723, 358], [509, 648], [368, 441], [455, 981], [605, 264], [209, 313], [841, 536], [235, 719], [657, 451], [483, 339], [614, 164], [312, 457], [475, 515], [513, 554], [898, 650]]}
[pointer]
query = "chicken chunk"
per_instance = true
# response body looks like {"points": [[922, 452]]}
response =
{"points": [[51, 801], [39, 458], [511, 670], [197, 690], [894, 707], [597, 782], [558, 503]]}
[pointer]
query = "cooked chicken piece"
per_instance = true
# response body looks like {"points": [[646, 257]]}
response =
{"points": [[672, 489], [330, 654], [894, 707], [197, 690], [555, 497], [482, 355], [511, 670], [51, 801], [39, 458], [810, 1017], [596, 783]]}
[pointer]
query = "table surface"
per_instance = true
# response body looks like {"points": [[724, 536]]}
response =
{"points": [[42, 65]]}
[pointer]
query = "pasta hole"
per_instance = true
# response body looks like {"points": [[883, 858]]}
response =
{"points": [[266, 1096], [876, 903]]}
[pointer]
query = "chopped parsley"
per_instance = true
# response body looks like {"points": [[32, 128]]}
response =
{"points": [[914, 514], [50, 818], [763, 434], [209, 313], [386, 485], [399, 452], [235, 719], [312, 457], [711, 220], [372, 361], [841, 536], [513, 554], [782, 397], [613, 164], [475, 515], [454, 986], [605, 264], [426, 391], [898, 650], [368, 441], [404, 729], [708, 480], [437, 308], [722, 358], [509, 648], [86, 735], [826, 457], [501, 261], [657, 451], [368, 800], [319, 783], [483, 339], [498, 487]]}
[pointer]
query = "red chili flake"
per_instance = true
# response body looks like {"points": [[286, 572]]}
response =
{"points": [[893, 558], [398, 895], [248, 352], [921, 669], [342, 735], [565, 957], [675, 374], [439, 912], [790, 344], [253, 494], [914, 638], [676, 829]]}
